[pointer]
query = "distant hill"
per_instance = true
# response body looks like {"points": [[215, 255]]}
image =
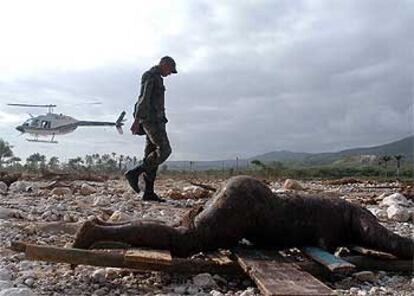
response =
{"points": [[404, 146]]}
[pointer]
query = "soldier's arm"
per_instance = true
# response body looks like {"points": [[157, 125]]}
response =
{"points": [[143, 106]]}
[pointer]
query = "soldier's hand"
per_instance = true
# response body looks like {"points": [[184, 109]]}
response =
{"points": [[135, 127]]}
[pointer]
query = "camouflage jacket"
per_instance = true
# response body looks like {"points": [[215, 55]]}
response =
{"points": [[150, 105]]}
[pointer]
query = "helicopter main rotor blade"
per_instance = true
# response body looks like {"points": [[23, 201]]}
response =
{"points": [[32, 105]]}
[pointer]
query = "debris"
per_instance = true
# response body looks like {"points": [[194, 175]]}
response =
{"points": [[87, 189], [291, 184], [118, 216], [365, 276], [61, 191], [333, 263]]}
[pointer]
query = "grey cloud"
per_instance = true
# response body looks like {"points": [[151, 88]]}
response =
{"points": [[304, 75]]}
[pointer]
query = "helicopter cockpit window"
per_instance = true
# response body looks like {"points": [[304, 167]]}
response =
{"points": [[31, 123]]}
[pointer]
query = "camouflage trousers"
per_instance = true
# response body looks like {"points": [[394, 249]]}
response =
{"points": [[157, 150]]}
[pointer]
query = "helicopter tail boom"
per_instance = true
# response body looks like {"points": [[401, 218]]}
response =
{"points": [[118, 123]]}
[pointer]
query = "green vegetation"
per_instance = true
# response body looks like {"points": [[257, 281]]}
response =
{"points": [[387, 166]]}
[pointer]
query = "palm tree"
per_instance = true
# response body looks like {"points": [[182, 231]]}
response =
{"points": [[53, 162], [15, 160], [384, 160], [33, 160], [398, 158], [5, 151]]}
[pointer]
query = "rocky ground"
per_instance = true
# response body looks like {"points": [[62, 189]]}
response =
{"points": [[25, 204]]}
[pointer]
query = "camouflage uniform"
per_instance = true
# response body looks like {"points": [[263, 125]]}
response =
{"points": [[150, 111]]}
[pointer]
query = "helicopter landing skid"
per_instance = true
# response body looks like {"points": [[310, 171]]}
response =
{"points": [[42, 141]]}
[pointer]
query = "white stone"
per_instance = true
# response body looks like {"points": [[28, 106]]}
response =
{"points": [[5, 275], [292, 185], [119, 216], [381, 214], [180, 290], [216, 293], [18, 187], [29, 282], [61, 191], [248, 292], [398, 213], [101, 201], [99, 275], [17, 292], [394, 199], [87, 189], [3, 187], [5, 285], [204, 280], [6, 213], [364, 276]]}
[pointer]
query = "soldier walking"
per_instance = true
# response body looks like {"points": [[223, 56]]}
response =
{"points": [[150, 120]]}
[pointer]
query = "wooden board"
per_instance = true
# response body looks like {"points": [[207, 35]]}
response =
{"points": [[116, 258], [372, 253], [332, 262], [275, 277], [148, 256]]}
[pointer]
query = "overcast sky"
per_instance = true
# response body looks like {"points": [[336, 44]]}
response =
{"points": [[254, 76]]}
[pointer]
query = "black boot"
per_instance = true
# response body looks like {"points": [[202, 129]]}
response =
{"points": [[132, 177], [149, 194]]}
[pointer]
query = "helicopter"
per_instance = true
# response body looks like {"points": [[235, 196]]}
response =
{"points": [[52, 124]]}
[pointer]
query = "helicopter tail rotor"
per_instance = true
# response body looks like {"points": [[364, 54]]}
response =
{"points": [[120, 122]]}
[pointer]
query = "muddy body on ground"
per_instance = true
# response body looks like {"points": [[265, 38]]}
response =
{"points": [[27, 204]]}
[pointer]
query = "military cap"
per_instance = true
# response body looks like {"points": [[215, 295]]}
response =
{"points": [[169, 60]]}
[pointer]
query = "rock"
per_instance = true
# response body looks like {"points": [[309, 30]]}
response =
{"points": [[364, 276], [17, 292], [248, 292], [61, 191], [101, 202], [18, 187], [204, 281], [29, 282], [193, 290], [379, 213], [6, 213], [216, 293], [394, 199], [119, 216], [398, 213], [99, 276], [292, 185], [3, 187], [180, 290], [87, 189], [5, 285]]}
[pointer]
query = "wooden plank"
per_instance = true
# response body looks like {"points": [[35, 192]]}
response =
{"points": [[274, 276], [372, 253], [116, 258], [332, 262], [148, 256]]}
